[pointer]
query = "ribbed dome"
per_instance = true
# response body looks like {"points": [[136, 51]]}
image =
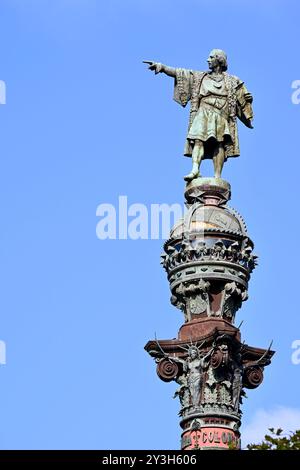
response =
{"points": [[203, 218]]}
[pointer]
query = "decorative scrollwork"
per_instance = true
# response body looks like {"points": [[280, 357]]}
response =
{"points": [[216, 359], [253, 376], [167, 370]]}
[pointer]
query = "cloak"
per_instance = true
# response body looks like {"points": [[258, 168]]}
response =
{"points": [[187, 88]]}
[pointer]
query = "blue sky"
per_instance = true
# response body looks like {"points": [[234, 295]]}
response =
{"points": [[84, 123]]}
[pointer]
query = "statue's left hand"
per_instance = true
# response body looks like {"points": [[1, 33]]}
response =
{"points": [[248, 97]]}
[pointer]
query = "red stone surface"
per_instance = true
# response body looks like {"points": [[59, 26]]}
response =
{"points": [[204, 327], [211, 437]]}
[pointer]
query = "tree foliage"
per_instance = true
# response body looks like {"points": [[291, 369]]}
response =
{"points": [[278, 441]]}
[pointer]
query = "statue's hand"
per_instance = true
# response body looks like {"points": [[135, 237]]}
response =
{"points": [[248, 97], [155, 66]]}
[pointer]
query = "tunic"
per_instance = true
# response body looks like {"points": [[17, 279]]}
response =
{"points": [[214, 108]]}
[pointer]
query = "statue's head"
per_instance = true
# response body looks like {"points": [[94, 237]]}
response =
{"points": [[193, 352], [217, 57]]}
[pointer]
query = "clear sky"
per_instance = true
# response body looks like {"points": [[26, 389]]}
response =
{"points": [[84, 123]]}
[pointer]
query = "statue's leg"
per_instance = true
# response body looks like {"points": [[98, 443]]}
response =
{"points": [[197, 155], [218, 158]]}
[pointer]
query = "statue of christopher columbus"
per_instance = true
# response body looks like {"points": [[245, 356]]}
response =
{"points": [[217, 99]]}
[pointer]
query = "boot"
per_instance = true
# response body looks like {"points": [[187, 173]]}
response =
{"points": [[194, 173]]}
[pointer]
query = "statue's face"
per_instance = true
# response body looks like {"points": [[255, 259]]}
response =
{"points": [[212, 60], [193, 354]]}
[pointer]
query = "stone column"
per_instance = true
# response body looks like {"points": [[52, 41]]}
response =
{"points": [[209, 259]]}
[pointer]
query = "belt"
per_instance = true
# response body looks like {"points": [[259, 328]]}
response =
{"points": [[216, 110]]}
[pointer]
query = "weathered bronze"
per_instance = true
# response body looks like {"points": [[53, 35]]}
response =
{"points": [[217, 99]]}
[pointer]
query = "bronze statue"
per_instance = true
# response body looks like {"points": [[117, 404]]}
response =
{"points": [[193, 367], [217, 99]]}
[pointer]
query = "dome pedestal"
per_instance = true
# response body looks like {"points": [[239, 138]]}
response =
{"points": [[214, 191]]}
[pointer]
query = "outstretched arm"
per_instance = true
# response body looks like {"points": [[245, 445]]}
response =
{"points": [[182, 83], [157, 67], [175, 359], [205, 359]]}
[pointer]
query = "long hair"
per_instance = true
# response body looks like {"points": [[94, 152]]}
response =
{"points": [[222, 58]]}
